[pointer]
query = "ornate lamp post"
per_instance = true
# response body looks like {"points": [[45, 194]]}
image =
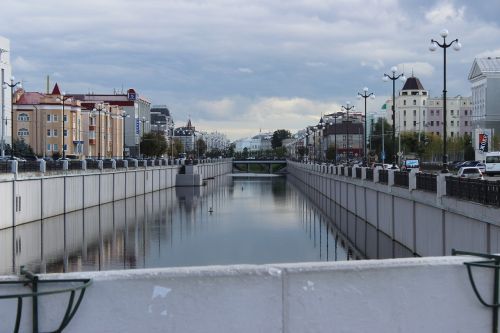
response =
{"points": [[348, 107], [320, 128], [100, 108], [393, 78], [12, 85], [365, 95], [124, 115], [63, 100], [432, 48]]}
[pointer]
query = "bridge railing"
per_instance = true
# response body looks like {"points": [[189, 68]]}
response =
{"points": [[358, 173], [369, 174], [426, 182], [383, 176], [480, 191], [401, 178]]}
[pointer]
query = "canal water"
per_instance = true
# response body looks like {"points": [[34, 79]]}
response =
{"points": [[229, 220]]}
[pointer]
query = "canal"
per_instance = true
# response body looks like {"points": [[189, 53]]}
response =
{"points": [[229, 220]]}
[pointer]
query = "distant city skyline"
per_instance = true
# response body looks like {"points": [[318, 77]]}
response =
{"points": [[237, 67]]}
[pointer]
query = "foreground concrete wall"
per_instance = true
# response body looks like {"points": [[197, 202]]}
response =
{"points": [[399, 295], [35, 198]]}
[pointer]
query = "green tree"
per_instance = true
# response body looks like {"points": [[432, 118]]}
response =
{"points": [[245, 152], [201, 147], [330, 153], [279, 136], [376, 139], [153, 144], [21, 148]]}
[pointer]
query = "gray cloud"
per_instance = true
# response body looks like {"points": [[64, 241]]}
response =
{"points": [[193, 55]]}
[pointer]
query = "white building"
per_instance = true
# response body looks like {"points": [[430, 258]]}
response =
{"points": [[484, 77], [458, 118], [5, 96], [410, 106], [261, 141], [215, 141]]}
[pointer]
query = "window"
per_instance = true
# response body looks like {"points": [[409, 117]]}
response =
{"points": [[452, 123], [404, 102], [414, 123], [423, 102], [54, 117], [65, 132], [451, 111], [49, 119], [451, 133], [23, 117], [49, 146], [466, 123], [404, 113], [48, 132], [404, 123], [465, 112], [23, 132], [458, 123], [458, 112], [65, 118], [424, 113], [56, 147], [414, 102], [54, 132], [414, 113], [432, 122], [437, 112], [432, 112], [437, 122]]}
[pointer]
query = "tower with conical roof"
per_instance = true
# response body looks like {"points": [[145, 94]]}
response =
{"points": [[410, 106]]}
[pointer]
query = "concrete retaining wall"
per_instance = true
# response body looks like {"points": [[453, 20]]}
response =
{"points": [[426, 223], [42, 197], [399, 295]]}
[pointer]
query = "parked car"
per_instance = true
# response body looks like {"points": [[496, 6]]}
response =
{"points": [[470, 172]]}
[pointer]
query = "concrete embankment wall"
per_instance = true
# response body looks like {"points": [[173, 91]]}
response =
{"points": [[38, 197], [396, 295], [426, 223]]}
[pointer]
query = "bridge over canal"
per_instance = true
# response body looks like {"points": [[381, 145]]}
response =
{"points": [[259, 166]]}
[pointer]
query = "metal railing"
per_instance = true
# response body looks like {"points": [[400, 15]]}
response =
{"points": [[74, 165], [120, 164], [491, 261], [426, 182], [107, 164], [28, 166], [476, 190], [358, 173], [33, 281], [53, 165], [5, 167], [401, 178], [349, 171], [92, 164], [342, 171], [369, 174], [383, 176]]}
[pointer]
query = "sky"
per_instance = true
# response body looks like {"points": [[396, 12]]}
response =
{"points": [[241, 66]]}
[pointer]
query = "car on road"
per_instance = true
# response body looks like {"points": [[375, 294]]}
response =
{"points": [[470, 172]]}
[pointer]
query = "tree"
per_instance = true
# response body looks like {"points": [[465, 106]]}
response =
{"points": [[153, 144], [279, 136], [330, 153], [301, 151], [201, 147], [245, 152], [21, 148]]}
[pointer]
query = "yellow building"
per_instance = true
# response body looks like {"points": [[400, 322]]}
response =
{"points": [[90, 129]]}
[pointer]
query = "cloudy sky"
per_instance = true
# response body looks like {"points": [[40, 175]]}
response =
{"points": [[238, 66]]}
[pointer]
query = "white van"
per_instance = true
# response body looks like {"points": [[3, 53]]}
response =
{"points": [[492, 163]]}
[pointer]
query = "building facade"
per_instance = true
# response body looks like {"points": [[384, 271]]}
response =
{"points": [[136, 112], [5, 94], [484, 77]]}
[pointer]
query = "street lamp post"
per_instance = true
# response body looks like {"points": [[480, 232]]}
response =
{"points": [[143, 121], [123, 115], [393, 78], [63, 100], [348, 107], [432, 48], [98, 109], [320, 128], [335, 116], [12, 85], [365, 95]]}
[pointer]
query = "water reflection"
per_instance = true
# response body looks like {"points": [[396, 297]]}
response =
{"points": [[228, 221]]}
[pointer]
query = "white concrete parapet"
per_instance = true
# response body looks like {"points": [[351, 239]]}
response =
{"points": [[399, 295]]}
